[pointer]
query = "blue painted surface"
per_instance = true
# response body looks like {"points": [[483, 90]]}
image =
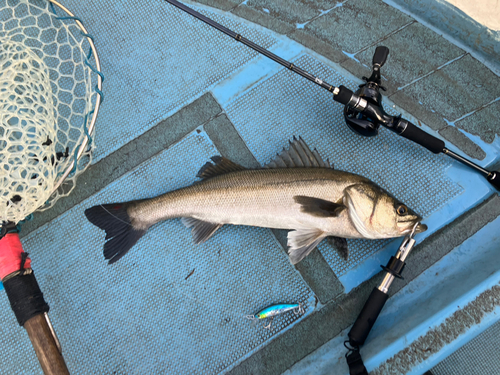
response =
{"points": [[142, 316], [157, 59], [287, 106], [155, 63], [492, 149], [435, 295], [478, 356], [457, 26], [430, 299], [487, 321]]}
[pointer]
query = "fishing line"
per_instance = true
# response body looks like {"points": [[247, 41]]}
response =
{"points": [[231, 313], [116, 217]]}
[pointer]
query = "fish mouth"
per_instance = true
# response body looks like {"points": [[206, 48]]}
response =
{"points": [[413, 225], [419, 228]]}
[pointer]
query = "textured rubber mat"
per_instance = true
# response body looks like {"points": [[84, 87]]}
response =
{"points": [[156, 59], [284, 105], [168, 306], [477, 357]]}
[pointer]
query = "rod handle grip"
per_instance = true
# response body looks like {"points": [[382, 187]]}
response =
{"points": [[28, 304], [367, 317], [417, 135]]}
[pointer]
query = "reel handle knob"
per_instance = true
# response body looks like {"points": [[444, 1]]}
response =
{"points": [[380, 56]]}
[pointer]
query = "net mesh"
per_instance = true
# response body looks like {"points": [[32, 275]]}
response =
{"points": [[47, 97], [27, 114]]}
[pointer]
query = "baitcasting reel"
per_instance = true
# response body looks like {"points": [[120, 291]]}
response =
{"points": [[370, 91], [363, 110]]}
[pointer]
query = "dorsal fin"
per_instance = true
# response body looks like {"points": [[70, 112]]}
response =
{"points": [[298, 155], [221, 166]]}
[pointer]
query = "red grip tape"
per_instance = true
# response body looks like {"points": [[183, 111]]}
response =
{"points": [[11, 250]]}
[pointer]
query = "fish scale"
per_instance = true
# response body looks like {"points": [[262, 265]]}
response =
{"points": [[251, 196]]}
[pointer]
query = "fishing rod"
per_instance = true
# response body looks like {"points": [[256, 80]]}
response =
{"points": [[363, 111]]}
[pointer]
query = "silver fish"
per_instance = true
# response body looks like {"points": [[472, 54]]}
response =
{"points": [[296, 191]]}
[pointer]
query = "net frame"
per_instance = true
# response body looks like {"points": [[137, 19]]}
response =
{"points": [[99, 97], [74, 163]]}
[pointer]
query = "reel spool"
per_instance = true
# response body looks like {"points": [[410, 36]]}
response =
{"points": [[50, 94]]}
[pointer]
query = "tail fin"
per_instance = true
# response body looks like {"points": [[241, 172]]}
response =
{"points": [[115, 220]]}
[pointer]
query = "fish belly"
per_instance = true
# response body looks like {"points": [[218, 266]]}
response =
{"points": [[280, 217]]}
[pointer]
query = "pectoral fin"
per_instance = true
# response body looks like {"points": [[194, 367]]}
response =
{"points": [[318, 207], [302, 241], [201, 230], [340, 244]]}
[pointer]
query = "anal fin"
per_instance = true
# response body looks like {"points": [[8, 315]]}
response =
{"points": [[201, 230], [302, 241]]}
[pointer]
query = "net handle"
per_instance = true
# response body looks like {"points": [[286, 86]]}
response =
{"points": [[98, 90]]}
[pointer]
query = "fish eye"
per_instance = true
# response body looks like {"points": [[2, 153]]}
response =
{"points": [[402, 209]]}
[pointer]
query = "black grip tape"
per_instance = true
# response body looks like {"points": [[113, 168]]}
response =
{"points": [[25, 296], [355, 363], [367, 317], [417, 135], [344, 95]]}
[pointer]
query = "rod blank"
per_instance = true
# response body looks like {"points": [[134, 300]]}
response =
{"points": [[253, 46], [345, 96]]}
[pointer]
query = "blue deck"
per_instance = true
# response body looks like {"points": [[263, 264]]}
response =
{"points": [[170, 306]]}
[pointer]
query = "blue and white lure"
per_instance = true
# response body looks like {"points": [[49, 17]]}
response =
{"points": [[271, 311]]}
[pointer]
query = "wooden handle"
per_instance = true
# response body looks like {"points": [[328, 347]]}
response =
{"points": [[26, 300], [45, 346]]}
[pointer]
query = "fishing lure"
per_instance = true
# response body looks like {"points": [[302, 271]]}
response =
{"points": [[271, 311]]}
